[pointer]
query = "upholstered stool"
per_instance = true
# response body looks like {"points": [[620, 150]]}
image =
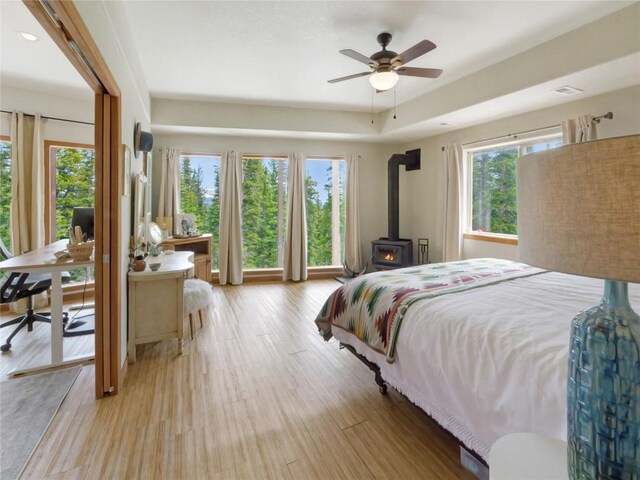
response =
{"points": [[197, 297]]}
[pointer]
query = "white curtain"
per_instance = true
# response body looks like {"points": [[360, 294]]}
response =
{"points": [[579, 129], [230, 218], [352, 248], [27, 186], [295, 248], [455, 194], [169, 201]]}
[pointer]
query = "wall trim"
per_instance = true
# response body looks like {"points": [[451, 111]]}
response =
{"points": [[484, 237]]}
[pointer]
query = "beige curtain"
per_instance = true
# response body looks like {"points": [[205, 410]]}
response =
{"points": [[230, 218], [27, 186], [169, 200], [455, 194], [295, 247], [579, 129], [352, 248]]}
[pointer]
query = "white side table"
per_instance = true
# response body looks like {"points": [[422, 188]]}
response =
{"points": [[528, 456], [156, 301]]}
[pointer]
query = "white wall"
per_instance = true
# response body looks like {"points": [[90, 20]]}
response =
{"points": [[372, 173], [109, 29], [422, 192], [28, 101]]}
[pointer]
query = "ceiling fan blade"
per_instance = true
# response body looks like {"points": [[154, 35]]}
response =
{"points": [[358, 56], [419, 72], [414, 52], [349, 77]]}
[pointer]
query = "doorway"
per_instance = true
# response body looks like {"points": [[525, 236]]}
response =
{"points": [[64, 25]]}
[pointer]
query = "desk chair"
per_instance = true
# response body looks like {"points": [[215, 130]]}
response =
{"points": [[16, 285]]}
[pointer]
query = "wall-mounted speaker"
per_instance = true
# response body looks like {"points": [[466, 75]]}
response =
{"points": [[142, 141]]}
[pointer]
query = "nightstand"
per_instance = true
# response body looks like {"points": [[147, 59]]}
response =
{"points": [[528, 456]]}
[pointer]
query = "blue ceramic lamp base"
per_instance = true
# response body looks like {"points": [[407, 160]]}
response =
{"points": [[603, 396]]}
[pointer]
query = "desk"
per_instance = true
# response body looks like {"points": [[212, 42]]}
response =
{"points": [[42, 260], [155, 300]]}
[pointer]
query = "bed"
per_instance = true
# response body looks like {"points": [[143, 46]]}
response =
{"points": [[480, 345]]}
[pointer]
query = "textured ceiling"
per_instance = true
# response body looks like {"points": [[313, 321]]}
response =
{"points": [[283, 53], [39, 66]]}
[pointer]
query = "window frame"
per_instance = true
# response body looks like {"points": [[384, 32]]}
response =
{"points": [[282, 211], [336, 199], [50, 181], [215, 248], [521, 143], [275, 273]]}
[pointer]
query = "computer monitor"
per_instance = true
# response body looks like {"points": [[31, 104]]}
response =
{"points": [[83, 218]]}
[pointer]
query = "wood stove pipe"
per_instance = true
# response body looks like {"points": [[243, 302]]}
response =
{"points": [[411, 161]]}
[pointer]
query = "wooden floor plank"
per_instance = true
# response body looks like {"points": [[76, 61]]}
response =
{"points": [[256, 394]]}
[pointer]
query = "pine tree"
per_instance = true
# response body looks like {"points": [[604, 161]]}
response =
{"points": [[5, 193], [75, 185], [313, 214], [260, 213], [494, 191], [212, 223]]}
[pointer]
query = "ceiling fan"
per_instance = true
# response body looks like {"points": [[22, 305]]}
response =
{"points": [[386, 65]]}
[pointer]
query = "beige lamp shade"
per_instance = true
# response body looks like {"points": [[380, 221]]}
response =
{"points": [[579, 209]]}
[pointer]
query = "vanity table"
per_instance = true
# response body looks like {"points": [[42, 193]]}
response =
{"points": [[200, 246], [155, 300]]}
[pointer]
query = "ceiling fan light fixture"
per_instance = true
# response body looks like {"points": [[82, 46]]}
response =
{"points": [[383, 80]]}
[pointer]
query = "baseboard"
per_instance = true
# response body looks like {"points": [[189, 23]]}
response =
{"points": [[275, 274]]}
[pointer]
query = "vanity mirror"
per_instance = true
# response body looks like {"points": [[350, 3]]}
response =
{"points": [[154, 234]]}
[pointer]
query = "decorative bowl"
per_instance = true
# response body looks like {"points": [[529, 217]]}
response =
{"points": [[80, 252], [154, 266]]}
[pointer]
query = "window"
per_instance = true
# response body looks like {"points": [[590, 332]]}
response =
{"points": [[264, 207], [199, 194], [325, 211], [493, 185], [71, 185], [5, 191]]}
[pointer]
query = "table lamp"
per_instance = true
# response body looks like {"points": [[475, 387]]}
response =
{"points": [[579, 213]]}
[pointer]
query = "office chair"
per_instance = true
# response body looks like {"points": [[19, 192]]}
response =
{"points": [[16, 285]]}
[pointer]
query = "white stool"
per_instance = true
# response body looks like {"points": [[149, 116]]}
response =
{"points": [[197, 296]]}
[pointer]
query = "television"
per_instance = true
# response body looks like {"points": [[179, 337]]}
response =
{"points": [[83, 218]]}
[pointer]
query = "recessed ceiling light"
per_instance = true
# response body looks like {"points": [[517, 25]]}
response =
{"points": [[567, 90], [28, 36]]}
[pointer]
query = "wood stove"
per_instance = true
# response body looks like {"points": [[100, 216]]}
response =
{"points": [[393, 251], [388, 254]]}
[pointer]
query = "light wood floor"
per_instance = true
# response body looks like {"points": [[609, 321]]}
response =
{"points": [[34, 348], [257, 394]]}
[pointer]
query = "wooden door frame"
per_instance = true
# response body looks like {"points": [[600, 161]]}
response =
{"points": [[63, 23]]}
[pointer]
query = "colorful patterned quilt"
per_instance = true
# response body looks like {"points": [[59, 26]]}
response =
{"points": [[373, 306]]}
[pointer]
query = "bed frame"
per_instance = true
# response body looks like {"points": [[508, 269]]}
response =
{"points": [[469, 458]]}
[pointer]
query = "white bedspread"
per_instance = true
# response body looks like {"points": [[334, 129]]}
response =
{"points": [[492, 360]]}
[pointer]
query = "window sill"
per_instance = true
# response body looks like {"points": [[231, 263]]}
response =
{"points": [[275, 274], [492, 237]]}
